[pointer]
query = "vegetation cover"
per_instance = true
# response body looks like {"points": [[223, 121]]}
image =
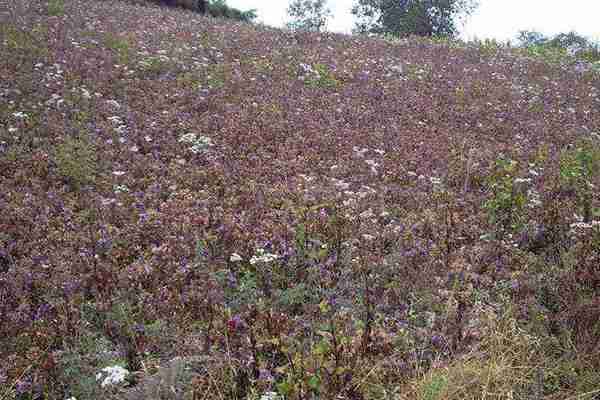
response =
{"points": [[194, 208]]}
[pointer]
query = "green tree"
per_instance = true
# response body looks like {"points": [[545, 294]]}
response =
{"points": [[411, 17], [220, 9], [215, 8], [571, 43], [308, 15]]}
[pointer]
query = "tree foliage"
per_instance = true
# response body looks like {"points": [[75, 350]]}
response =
{"points": [[411, 17], [215, 8], [570, 43], [220, 9], [308, 15]]}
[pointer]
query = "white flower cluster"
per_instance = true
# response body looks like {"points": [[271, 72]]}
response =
{"points": [[270, 396], [120, 125], [20, 115], [534, 198], [235, 257], [584, 225], [306, 70], [121, 189], [437, 182], [263, 257], [199, 143], [114, 375]]}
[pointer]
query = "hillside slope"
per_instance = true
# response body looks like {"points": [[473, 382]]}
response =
{"points": [[312, 214]]}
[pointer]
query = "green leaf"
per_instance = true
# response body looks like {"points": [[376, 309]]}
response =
{"points": [[314, 382], [284, 388]]}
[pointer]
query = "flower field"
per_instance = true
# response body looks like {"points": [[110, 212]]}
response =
{"points": [[193, 208]]}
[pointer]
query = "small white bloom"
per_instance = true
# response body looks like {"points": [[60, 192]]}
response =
{"points": [[119, 173], [263, 257], [307, 178], [148, 138], [435, 181], [367, 214], [340, 184], [106, 202], [114, 375], [235, 257], [188, 138], [360, 152], [372, 163], [121, 189], [523, 180], [199, 143], [580, 225], [20, 115], [115, 119], [270, 396], [12, 130]]}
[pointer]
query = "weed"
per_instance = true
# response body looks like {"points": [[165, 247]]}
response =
{"points": [[120, 45], [578, 168], [75, 161], [506, 205], [322, 77], [154, 66], [56, 8], [28, 44]]}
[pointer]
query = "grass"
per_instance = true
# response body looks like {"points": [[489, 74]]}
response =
{"points": [[232, 211]]}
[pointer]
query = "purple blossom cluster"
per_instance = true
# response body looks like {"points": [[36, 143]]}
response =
{"points": [[304, 232]]}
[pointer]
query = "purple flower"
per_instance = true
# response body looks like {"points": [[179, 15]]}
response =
{"points": [[231, 280], [143, 218], [23, 386], [41, 311], [104, 245], [265, 375], [184, 266], [437, 340], [331, 260], [69, 288], [235, 323]]}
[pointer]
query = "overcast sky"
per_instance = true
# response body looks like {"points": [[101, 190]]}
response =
{"points": [[499, 19]]}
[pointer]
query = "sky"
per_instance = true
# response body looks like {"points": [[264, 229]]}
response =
{"points": [[493, 19]]}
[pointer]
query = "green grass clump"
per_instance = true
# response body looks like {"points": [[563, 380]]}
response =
{"points": [[56, 8], [76, 161], [120, 46], [323, 77]]}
